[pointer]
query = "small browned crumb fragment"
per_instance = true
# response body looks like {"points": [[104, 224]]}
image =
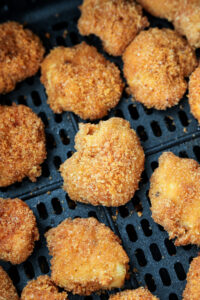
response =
{"points": [[137, 294], [107, 167], [81, 80], [87, 256], [21, 53], [42, 288], [175, 198], [116, 22], [194, 93], [7, 289], [192, 289], [155, 65], [22, 144], [18, 230]]}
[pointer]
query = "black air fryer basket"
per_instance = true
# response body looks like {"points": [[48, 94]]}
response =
{"points": [[154, 260]]}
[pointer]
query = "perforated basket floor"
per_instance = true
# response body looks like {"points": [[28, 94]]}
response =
{"points": [[154, 260]]}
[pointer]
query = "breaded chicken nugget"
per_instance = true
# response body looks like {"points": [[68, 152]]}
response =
{"points": [[194, 93], [138, 294], [155, 65], [81, 80], [87, 256], [18, 230], [21, 53], [187, 21], [116, 22], [175, 198], [7, 289], [161, 8], [22, 144], [107, 166], [42, 288], [192, 289]]}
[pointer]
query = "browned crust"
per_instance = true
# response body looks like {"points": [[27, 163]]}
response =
{"points": [[194, 93], [137, 294]]}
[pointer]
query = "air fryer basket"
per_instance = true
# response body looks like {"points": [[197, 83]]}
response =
{"points": [[154, 260]]}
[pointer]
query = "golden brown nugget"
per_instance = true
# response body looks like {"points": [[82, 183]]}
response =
{"points": [[42, 288], [175, 198], [138, 294], [81, 80], [107, 166], [194, 93], [18, 230], [21, 53], [192, 289], [87, 256], [7, 289], [22, 144], [116, 22], [155, 65]]}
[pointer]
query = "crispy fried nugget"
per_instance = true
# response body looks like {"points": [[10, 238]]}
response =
{"points": [[21, 53], [116, 22], [161, 8], [107, 166], [22, 144], [155, 65], [7, 289], [192, 289], [42, 288], [138, 294], [194, 93], [81, 80], [87, 256], [18, 230], [175, 198]]}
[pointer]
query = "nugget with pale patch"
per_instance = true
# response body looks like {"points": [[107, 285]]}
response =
{"points": [[87, 256]]}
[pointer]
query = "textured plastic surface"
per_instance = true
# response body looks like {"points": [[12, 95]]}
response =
{"points": [[155, 261]]}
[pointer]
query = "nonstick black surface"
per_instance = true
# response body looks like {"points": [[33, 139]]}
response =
{"points": [[154, 260]]}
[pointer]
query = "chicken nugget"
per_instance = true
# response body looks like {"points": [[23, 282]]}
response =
{"points": [[175, 198], [155, 65], [161, 8], [116, 22], [21, 53], [187, 21], [194, 93], [138, 294], [81, 80], [192, 289], [42, 288], [18, 230], [7, 289], [107, 166], [87, 256], [22, 144]]}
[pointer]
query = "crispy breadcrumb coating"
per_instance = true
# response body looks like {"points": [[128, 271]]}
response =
{"points": [[81, 80], [116, 22], [18, 230], [87, 256], [155, 65], [107, 166], [194, 93], [7, 289], [21, 53], [192, 289], [42, 288], [175, 198], [161, 8], [138, 294], [22, 144]]}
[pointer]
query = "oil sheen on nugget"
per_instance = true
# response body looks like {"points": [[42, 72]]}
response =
{"points": [[81, 80], [107, 166], [86, 256], [175, 198]]}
